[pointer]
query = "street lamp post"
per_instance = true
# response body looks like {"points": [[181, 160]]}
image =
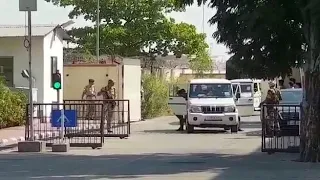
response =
{"points": [[28, 6], [98, 33]]}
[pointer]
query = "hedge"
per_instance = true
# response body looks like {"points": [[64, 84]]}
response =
{"points": [[12, 106], [155, 97]]}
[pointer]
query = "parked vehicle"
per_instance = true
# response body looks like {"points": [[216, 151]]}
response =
{"points": [[209, 103], [250, 95], [290, 112]]}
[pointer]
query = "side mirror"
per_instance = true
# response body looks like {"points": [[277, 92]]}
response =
{"points": [[238, 95]]}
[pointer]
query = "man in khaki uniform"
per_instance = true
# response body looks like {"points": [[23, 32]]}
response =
{"points": [[272, 100], [272, 86], [109, 106], [90, 92]]}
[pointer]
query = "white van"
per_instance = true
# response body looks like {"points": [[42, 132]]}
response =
{"points": [[209, 103], [250, 95]]}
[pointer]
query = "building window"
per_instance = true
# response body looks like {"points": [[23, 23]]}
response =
{"points": [[54, 66], [6, 70]]}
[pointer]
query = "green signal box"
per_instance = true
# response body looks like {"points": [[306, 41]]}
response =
{"points": [[56, 81]]}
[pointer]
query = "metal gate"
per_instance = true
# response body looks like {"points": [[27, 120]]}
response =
{"points": [[81, 132], [280, 128], [116, 118]]}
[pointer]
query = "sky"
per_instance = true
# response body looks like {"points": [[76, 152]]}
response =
{"points": [[50, 14]]}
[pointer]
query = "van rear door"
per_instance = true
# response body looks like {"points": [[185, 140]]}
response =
{"points": [[256, 96], [245, 102]]}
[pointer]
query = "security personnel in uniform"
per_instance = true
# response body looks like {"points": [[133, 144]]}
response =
{"points": [[182, 120], [272, 100], [89, 92], [109, 104]]}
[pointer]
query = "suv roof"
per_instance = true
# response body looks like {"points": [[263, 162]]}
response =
{"points": [[209, 81], [292, 89]]}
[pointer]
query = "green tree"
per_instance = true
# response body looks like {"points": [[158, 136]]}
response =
{"points": [[12, 105], [267, 38], [137, 28], [191, 43], [155, 97]]}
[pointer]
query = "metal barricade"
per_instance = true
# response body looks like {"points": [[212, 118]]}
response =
{"points": [[280, 128], [116, 116], [78, 130]]}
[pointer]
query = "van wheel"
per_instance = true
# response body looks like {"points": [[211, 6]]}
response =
{"points": [[190, 128], [234, 129]]}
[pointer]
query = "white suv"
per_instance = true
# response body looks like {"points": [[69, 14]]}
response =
{"points": [[210, 103]]}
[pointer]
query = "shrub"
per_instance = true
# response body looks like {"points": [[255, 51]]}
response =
{"points": [[12, 107], [155, 97]]}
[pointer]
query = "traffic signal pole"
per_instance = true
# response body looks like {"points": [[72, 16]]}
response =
{"points": [[62, 115], [61, 110], [62, 146]]}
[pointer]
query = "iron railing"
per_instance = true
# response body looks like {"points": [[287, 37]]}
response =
{"points": [[116, 115], [85, 133], [280, 128]]}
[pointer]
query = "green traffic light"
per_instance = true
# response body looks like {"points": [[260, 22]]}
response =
{"points": [[57, 85]]}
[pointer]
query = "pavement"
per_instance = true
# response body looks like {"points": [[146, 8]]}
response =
{"points": [[11, 136], [155, 151]]}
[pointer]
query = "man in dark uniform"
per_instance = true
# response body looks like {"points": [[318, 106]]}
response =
{"points": [[109, 105], [281, 84], [182, 120]]}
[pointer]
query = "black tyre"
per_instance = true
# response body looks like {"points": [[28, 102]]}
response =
{"points": [[234, 129], [190, 128]]}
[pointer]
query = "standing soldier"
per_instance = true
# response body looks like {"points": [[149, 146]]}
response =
{"points": [[90, 92], [272, 85], [109, 105], [182, 120], [272, 100]]}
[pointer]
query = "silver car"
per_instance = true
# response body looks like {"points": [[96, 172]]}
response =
{"points": [[289, 110]]}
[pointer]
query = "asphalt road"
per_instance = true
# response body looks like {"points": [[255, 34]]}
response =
{"points": [[155, 151]]}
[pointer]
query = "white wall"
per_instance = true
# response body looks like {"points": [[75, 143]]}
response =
{"points": [[14, 47], [52, 46], [132, 87]]}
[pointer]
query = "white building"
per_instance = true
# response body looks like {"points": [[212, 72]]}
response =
{"points": [[47, 57]]}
